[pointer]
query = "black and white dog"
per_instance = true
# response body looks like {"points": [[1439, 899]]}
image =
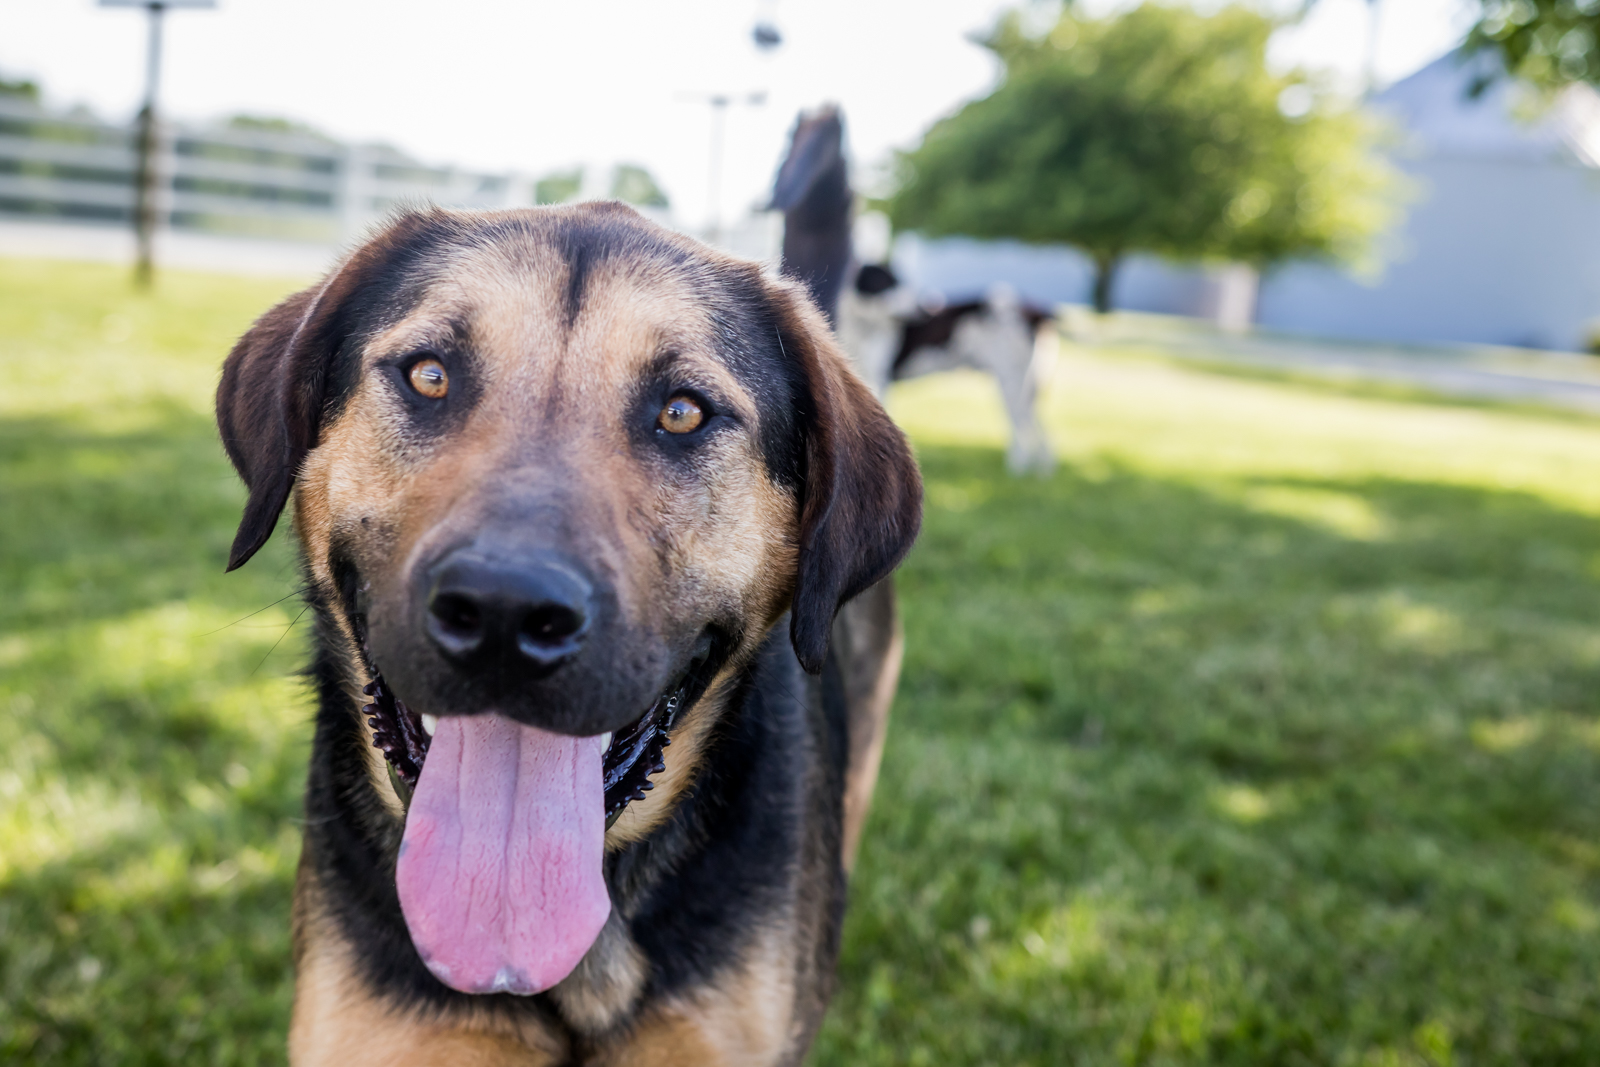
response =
{"points": [[884, 327]]}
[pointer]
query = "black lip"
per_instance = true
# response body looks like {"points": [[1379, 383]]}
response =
{"points": [[396, 729], [636, 750], [634, 754]]}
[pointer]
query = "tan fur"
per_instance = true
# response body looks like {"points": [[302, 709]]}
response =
{"points": [[337, 1023], [871, 642], [314, 522], [742, 1020], [605, 987]]}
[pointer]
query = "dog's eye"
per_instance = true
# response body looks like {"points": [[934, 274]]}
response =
{"points": [[428, 377], [681, 415]]}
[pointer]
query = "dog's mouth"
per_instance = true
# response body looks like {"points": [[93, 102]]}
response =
{"points": [[629, 757], [499, 872]]}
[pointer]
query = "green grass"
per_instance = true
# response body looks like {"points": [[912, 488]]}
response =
{"points": [[154, 754], [1266, 731]]}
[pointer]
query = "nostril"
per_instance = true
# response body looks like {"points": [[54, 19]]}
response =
{"points": [[457, 613], [550, 624], [549, 629], [455, 621]]}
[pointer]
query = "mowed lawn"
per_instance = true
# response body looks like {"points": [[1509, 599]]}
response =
{"points": [[1267, 731]]}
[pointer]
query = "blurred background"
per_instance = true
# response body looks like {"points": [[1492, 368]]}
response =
{"points": [[1251, 707]]}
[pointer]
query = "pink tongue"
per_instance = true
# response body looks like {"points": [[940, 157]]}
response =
{"points": [[499, 872]]}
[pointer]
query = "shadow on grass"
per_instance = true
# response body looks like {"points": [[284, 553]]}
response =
{"points": [[1244, 772], [167, 944], [103, 523], [150, 785]]}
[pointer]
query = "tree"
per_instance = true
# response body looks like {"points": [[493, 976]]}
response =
{"points": [[1548, 42], [1159, 130], [558, 186], [635, 185], [274, 124], [26, 88]]}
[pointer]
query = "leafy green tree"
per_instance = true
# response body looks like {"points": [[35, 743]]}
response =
{"points": [[558, 187], [1160, 130], [274, 124], [1548, 42], [26, 88], [635, 185]]}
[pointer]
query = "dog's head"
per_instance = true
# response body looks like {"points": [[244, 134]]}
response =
{"points": [[558, 464]]}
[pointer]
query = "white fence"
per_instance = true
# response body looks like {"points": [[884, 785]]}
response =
{"points": [[243, 183]]}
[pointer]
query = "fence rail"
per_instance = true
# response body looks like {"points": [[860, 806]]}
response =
{"points": [[71, 166]]}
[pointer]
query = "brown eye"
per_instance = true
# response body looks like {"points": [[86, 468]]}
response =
{"points": [[428, 377], [681, 415]]}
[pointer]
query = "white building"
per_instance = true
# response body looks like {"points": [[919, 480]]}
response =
{"points": [[1502, 244]]}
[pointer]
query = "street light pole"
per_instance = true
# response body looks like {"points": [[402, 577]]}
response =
{"points": [[719, 119], [719, 116], [146, 181]]}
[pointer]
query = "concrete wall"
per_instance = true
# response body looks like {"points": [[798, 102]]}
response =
{"points": [[961, 268]]}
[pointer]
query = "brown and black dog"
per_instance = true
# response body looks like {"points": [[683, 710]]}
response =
{"points": [[559, 475]]}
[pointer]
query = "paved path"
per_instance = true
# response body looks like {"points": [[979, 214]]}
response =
{"points": [[1562, 379], [184, 251]]}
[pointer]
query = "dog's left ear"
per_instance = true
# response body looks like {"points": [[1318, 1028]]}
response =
{"points": [[861, 505]]}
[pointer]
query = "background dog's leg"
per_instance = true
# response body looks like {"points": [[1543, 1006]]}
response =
{"points": [[1001, 342], [1041, 368]]}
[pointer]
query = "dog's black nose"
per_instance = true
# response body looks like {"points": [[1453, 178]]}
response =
{"points": [[482, 609]]}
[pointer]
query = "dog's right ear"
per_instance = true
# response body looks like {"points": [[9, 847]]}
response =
{"points": [[266, 422], [274, 383]]}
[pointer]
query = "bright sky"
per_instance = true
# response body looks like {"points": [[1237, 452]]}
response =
{"points": [[531, 86]]}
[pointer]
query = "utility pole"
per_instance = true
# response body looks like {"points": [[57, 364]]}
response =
{"points": [[719, 116], [146, 181], [1370, 67]]}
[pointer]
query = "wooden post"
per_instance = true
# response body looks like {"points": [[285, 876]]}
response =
{"points": [[145, 176]]}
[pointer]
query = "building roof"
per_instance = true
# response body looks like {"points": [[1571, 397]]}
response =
{"points": [[1504, 122]]}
